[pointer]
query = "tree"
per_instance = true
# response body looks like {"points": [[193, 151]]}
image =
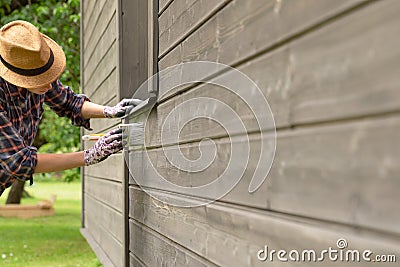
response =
{"points": [[60, 20]]}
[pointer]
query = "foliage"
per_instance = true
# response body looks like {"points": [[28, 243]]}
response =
{"points": [[60, 20]]}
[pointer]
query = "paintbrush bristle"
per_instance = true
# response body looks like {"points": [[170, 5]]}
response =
{"points": [[133, 133]]}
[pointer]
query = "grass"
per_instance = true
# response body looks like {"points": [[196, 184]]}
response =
{"points": [[47, 241]]}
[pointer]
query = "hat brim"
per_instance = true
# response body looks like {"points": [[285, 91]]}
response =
{"points": [[43, 79]]}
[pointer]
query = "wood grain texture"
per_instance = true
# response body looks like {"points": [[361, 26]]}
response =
{"points": [[96, 50], [102, 20], [337, 72], [225, 37], [103, 69], [87, 9], [106, 191], [107, 218], [133, 69], [91, 14], [154, 249], [181, 18], [344, 172], [110, 169], [162, 4], [135, 261], [232, 236], [109, 245], [106, 91]]}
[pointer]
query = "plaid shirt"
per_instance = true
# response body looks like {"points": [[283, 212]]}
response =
{"points": [[20, 114]]}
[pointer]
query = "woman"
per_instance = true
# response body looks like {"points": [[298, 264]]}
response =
{"points": [[30, 64]]}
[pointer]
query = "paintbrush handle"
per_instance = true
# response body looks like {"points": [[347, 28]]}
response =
{"points": [[93, 137]]}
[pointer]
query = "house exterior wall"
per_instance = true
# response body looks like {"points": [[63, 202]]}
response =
{"points": [[102, 184], [330, 72]]}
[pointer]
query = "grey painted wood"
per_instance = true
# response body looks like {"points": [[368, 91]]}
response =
{"points": [[232, 235], [183, 17], [110, 245], [93, 10], [107, 90], [93, 22], [155, 250], [360, 62], [108, 169], [134, 47], [87, 11], [163, 4], [97, 50], [303, 79], [103, 125], [106, 217], [106, 191], [101, 19], [224, 38], [103, 69], [135, 261], [344, 172], [97, 249]]}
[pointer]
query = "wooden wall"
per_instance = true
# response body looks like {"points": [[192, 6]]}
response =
{"points": [[102, 189], [330, 72]]}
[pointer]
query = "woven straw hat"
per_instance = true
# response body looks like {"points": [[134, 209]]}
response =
{"points": [[28, 58]]}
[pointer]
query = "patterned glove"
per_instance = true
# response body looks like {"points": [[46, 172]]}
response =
{"points": [[121, 108], [104, 147]]}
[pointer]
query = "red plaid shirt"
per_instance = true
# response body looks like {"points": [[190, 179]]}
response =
{"points": [[20, 114]]}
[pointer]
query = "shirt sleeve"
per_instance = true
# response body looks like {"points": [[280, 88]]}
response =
{"points": [[63, 101], [17, 160]]}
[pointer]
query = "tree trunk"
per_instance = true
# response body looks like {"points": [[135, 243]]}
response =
{"points": [[15, 195]]}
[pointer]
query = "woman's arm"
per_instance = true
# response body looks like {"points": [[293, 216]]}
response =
{"points": [[59, 162], [109, 144], [92, 110]]}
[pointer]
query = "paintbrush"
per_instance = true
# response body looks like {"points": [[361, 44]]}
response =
{"points": [[93, 137], [133, 133]]}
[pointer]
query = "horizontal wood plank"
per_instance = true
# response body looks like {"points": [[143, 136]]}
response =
{"points": [[106, 191], [87, 9], [343, 172], [162, 4], [109, 245], [96, 51], [225, 37], [103, 125], [103, 19], [111, 168], [232, 236], [135, 261], [93, 11], [181, 18], [302, 80], [106, 91], [154, 249], [103, 69], [93, 21], [107, 218]]}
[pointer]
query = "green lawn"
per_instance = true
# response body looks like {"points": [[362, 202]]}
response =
{"points": [[47, 241]]}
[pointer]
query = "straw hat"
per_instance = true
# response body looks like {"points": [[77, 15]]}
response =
{"points": [[28, 58]]}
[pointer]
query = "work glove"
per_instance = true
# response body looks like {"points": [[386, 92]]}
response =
{"points": [[108, 144], [121, 108]]}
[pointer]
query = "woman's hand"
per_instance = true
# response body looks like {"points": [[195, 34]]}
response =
{"points": [[121, 109], [109, 144]]}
